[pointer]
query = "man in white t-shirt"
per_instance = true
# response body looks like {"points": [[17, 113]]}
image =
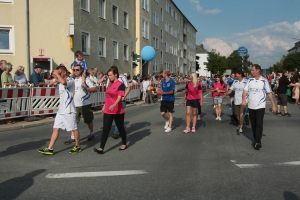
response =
{"points": [[237, 87], [257, 88], [124, 80], [66, 116], [82, 99]]}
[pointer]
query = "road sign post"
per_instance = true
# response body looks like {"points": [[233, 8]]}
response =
{"points": [[242, 51]]}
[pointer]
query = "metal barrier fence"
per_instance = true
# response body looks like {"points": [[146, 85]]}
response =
{"points": [[33, 101]]}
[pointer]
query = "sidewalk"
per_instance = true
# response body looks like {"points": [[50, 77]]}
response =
{"points": [[23, 124]]}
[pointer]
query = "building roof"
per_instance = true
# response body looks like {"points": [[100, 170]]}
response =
{"points": [[183, 15], [297, 45], [200, 49]]}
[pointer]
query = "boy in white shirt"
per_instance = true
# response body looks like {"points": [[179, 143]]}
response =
{"points": [[66, 115]]}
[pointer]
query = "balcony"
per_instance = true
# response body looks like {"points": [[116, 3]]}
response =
{"points": [[184, 31], [184, 61], [184, 46]]}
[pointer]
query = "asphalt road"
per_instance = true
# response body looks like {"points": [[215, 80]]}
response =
{"points": [[213, 163]]}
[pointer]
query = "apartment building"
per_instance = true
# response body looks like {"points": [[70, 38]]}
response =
{"points": [[107, 32], [49, 32], [201, 58], [164, 27]]}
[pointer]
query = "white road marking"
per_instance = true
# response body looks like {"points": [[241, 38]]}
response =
{"points": [[243, 166], [96, 174], [248, 165], [206, 95], [294, 163], [234, 161]]}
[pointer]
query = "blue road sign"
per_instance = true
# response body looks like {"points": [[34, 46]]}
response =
{"points": [[242, 51]]}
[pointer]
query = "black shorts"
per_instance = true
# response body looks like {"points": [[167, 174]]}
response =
{"points": [[167, 106], [231, 95], [282, 99], [192, 103], [87, 114]]}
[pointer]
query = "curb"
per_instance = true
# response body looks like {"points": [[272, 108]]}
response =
{"points": [[46, 121]]}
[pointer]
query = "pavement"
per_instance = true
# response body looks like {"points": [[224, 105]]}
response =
{"points": [[214, 163]]}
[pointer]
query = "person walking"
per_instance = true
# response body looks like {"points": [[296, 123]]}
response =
{"points": [[218, 89], [168, 99], [82, 99], [193, 100], [257, 88], [66, 115], [237, 87], [125, 81], [282, 98], [113, 109]]}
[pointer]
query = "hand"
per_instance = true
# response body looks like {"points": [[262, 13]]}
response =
{"points": [[15, 84], [244, 103], [56, 72], [274, 109], [183, 102], [224, 96], [84, 85], [111, 107], [123, 98], [201, 103]]}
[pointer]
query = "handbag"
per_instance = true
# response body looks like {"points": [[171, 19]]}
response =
{"points": [[289, 92]]}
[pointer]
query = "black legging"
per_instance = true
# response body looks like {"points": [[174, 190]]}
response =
{"points": [[257, 118], [199, 109], [107, 123]]}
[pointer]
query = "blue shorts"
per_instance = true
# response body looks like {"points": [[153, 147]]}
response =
{"points": [[218, 100]]}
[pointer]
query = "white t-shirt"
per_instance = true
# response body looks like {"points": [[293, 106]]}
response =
{"points": [[82, 97], [121, 78], [66, 94], [238, 87], [257, 91], [146, 85]]}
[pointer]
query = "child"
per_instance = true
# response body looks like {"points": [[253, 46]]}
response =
{"points": [[79, 61]]}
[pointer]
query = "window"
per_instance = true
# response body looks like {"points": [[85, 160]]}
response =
{"points": [[155, 42], [143, 28], [85, 5], [102, 8], [125, 52], [181, 21], [161, 14], [102, 47], [85, 43], [157, 1], [115, 14], [146, 30], [167, 47], [155, 19], [125, 20], [115, 50], [167, 6], [6, 1], [145, 5], [7, 39], [155, 65], [167, 27]]}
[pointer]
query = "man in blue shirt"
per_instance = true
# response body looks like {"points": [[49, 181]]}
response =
{"points": [[36, 78], [168, 99]]}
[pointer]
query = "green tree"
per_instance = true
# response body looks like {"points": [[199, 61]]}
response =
{"points": [[291, 62], [237, 63], [216, 63], [278, 66]]}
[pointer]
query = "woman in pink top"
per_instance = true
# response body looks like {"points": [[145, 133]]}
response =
{"points": [[218, 89], [193, 97], [113, 109]]}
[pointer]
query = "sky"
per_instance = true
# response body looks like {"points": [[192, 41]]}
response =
{"points": [[267, 28]]}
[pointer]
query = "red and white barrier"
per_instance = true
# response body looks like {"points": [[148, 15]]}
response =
{"points": [[15, 102], [97, 98]]}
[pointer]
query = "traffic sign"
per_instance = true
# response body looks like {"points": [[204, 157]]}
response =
{"points": [[242, 51]]}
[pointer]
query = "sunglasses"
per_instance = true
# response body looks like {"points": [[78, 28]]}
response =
{"points": [[76, 70]]}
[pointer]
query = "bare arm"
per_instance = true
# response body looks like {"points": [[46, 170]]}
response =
{"points": [[244, 103], [274, 108]]}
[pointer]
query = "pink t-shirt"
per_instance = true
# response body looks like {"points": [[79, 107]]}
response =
{"points": [[116, 89], [221, 87], [193, 93]]}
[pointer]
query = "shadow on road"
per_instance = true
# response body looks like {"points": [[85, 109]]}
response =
{"points": [[290, 196], [14, 187], [177, 122], [32, 145]]}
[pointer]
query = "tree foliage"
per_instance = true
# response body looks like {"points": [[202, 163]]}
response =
{"points": [[216, 63], [237, 63], [291, 62]]}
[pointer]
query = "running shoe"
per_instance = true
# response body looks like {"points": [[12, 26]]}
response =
{"points": [[287, 114], [193, 130], [241, 130], [168, 130], [198, 118], [220, 119], [217, 118], [91, 137], [75, 150], [46, 151], [257, 145], [166, 125], [187, 130], [69, 141]]}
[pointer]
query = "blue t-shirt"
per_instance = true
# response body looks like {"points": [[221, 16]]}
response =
{"points": [[35, 78], [82, 63], [166, 87]]}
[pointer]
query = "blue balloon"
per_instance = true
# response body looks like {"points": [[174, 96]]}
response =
{"points": [[148, 53]]}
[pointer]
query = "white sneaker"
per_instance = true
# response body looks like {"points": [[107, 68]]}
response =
{"points": [[241, 130], [199, 118], [214, 106], [168, 129], [220, 119], [166, 125], [217, 118]]}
